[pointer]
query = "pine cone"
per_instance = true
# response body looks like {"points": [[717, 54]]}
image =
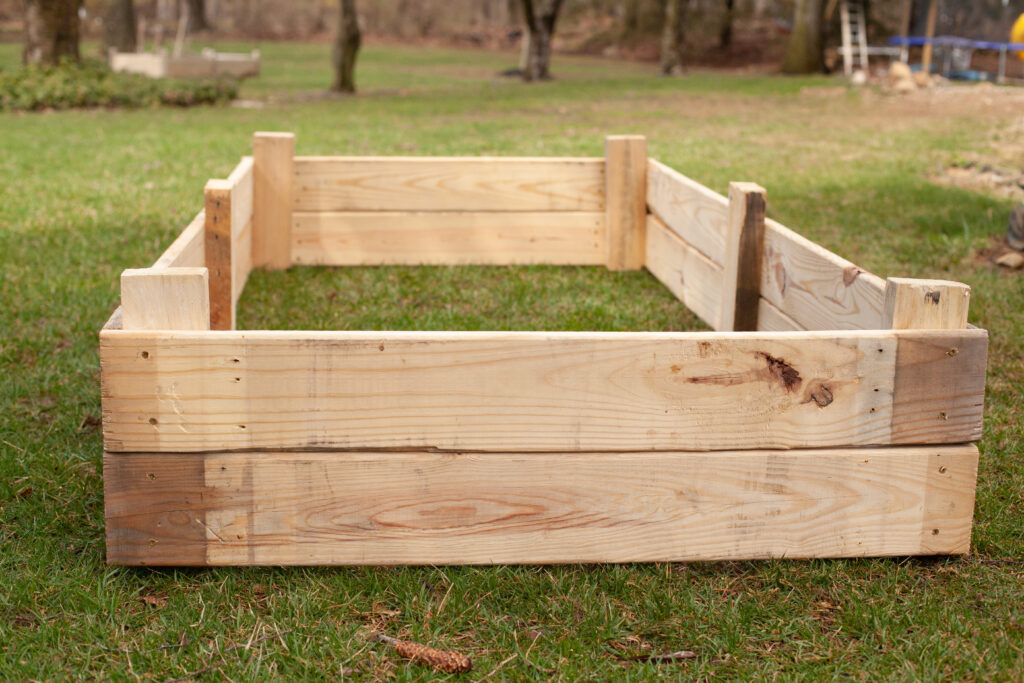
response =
{"points": [[443, 660]]}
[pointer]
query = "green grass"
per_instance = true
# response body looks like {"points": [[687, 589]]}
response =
{"points": [[85, 194]]}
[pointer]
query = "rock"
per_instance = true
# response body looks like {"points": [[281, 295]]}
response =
{"points": [[921, 79], [1015, 231], [859, 77], [1011, 259], [898, 71]]}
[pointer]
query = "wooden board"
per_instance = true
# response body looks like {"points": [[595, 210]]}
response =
{"points": [[165, 299], [360, 508], [445, 238], [241, 262], [219, 250], [272, 199], [816, 288], [626, 200], [744, 249], [687, 273], [448, 184], [528, 391], [697, 214], [925, 304], [771, 319], [188, 250]]}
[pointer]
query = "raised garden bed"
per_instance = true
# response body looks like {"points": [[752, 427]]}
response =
{"points": [[830, 413]]}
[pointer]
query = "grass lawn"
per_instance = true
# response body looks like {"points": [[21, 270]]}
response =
{"points": [[85, 194]]}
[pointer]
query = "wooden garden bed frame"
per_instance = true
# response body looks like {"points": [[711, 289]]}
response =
{"points": [[830, 414]]}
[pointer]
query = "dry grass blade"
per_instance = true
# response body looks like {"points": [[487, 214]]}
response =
{"points": [[442, 660], [677, 656]]}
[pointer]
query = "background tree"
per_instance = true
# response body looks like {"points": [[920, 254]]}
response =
{"points": [[119, 26], [197, 16], [346, 47], [673, 38], [51, 31], [540, 18], [725, 33], [805, 50]]}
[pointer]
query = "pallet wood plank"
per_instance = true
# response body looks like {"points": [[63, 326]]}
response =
{"points": [[816, 288], [273, 155], [188, 250], [358, 508], [241, 263], [699, 215], [165, 299], [448, 238], [771, 319], [744, 248], [532, 391], [218, 253], [687, 273], [626, 200], [448, 184], [912, 304]]}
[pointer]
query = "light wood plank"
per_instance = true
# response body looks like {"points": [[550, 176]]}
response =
{"points": [[165, 299], [273, 155], [744, 248], [448, 184], [241, 263], [357, 508], [925, 304], [697, 214], [688, 274], [442, 238], [218, 254], [528, 391], [771, 319], [189, 249], [240, 181], [816, 288], [626, 200]]}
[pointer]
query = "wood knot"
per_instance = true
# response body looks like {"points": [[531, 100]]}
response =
{"points": [[781, 371], [820, 394]]}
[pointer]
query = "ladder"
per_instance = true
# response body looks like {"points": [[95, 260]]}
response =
{"points": [[855, 36]]}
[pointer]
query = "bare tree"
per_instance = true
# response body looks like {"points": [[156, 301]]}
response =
{"points": [[346, 47], [725, 33], [673, 38], [540, 26], [805, 50], [51, 31], [119, 26], [197, 16]]}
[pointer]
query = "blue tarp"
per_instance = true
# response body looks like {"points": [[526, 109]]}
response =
{"points": [[954, 41]]}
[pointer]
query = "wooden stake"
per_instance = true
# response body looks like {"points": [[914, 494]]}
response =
{"points": [[218, 253], [925, 304], [741, 277], [926, 57], [273, 161], [626, 200], [165, 299]]}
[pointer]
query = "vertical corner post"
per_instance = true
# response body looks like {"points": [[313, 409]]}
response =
{"points": [[273, 161], [744, 252], [925, 304], [218, 246], [626, 200], [165, 299]]}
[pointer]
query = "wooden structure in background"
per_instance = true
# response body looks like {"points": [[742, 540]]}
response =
{"points": [[830, 414]]}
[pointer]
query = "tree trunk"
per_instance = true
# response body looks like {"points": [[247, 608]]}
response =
{"points": [[197, 16], [805, 52], [346, 47], [120, 29], [540, 27], [725, 34], [673, 38], [630, 20], [51, 31]]}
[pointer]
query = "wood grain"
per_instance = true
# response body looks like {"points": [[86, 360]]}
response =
{"points": [[771, 319], [925, 304], [448, 184], [357, 508], [165, 299], [687, 273], [189, 249], [273, 155], [744, 249], [218, 254], [531, 391], [625, 200], [816, 288], [699, 216], [448, 238]]}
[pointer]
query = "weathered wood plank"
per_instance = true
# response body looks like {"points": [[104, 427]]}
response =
{"points": [[771, 319], [188, 250], [219, 245], [816, 288], [687, 273], [444, 238], [744, 248], [925, 304], [448, 184], [273, 155], [531, 391], [165, 299], [626, 200], [240, 182], [696, 213], [241, 263], [456, 508]]}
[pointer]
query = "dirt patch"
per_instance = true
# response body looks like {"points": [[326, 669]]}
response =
{"points": [[1006, 182], [996, 250]]}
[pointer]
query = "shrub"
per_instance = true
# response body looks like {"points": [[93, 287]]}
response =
{"points": [[91, 83]]}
